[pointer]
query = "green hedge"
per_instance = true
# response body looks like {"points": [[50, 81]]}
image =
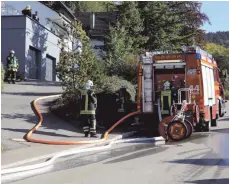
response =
{"points": [[112, 84], [67, 107]]}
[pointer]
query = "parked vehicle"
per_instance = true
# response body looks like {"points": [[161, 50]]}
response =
{"points": [[182, 92]]}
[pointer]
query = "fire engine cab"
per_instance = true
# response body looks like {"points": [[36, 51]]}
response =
{"points": [[180, 92]]}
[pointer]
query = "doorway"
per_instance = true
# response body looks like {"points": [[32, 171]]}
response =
{"points": [[50, 68]]}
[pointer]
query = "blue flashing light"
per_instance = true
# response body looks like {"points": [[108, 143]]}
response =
{"points": [[198, 56]]}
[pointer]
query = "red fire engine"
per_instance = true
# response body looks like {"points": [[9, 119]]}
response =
{"points": [[180, 92]]}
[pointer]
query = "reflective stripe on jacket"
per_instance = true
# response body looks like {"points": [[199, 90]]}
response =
{"points": [[88, 102], [12, 62]]}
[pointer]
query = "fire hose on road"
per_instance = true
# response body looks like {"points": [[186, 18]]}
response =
{"points": [[94, 143], [28, 135]]}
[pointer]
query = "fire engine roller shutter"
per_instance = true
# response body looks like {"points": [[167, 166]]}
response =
{"points": [[147, 84], [208, 84], [169, 65]]}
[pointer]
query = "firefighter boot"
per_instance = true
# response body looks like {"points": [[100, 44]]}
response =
{"points": [[94, 135], [93, 128], [86, 134], [13, 77]]}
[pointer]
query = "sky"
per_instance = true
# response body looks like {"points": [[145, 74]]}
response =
{"points": [[218, 13]]}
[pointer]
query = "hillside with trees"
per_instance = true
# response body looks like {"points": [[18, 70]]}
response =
{"points": [[219, 38], [218, 45]]}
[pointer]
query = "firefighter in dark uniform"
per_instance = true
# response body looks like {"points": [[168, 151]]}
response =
{"points": [[88, 110], [123, 97], [12, 67]]}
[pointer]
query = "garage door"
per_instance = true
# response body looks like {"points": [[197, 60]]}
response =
{"points": [[50, 66], [32, 64]]}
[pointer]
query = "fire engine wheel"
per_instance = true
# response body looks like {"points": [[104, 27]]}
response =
{"points": [[206, 127], [189, 128], [177, 131]]}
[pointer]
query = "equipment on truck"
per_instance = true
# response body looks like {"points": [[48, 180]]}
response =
{"points": [[181, 92]]}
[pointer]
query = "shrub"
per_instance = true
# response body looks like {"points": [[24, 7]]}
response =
{"points": [[126, 67], [2, 75], [227, 94], [112, 84], [68, 107]]}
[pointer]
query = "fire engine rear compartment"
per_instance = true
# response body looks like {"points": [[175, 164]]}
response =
{"points": [[179, 91], [154, 77]]}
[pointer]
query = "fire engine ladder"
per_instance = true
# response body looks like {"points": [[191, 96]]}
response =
{"points": [[147, 84]]}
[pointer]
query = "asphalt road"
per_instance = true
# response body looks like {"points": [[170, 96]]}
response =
{"points": [[17, 116], [202, 159]]}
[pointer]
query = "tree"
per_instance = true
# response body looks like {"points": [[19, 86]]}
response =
{"points": [[221, 55], [90, 6], [172, 24], [131, 21], [117, 43], [219, 37], [192, 18], [74, 69], [159, 25], [123, 42]]}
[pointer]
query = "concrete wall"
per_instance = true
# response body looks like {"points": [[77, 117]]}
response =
{"points": [[19, 33], [44, 41], [13, 38]]}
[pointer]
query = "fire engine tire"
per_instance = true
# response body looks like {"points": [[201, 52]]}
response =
{"points": [[207, 127], [221, 111], [177, 131], [214, 122], [189, 128]]}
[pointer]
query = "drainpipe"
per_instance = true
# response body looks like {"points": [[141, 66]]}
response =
{"points": [[92, 20]]}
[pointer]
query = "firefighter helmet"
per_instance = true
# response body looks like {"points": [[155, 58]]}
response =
{"points": [[12, 52], [28, 7], [89, 83]]}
